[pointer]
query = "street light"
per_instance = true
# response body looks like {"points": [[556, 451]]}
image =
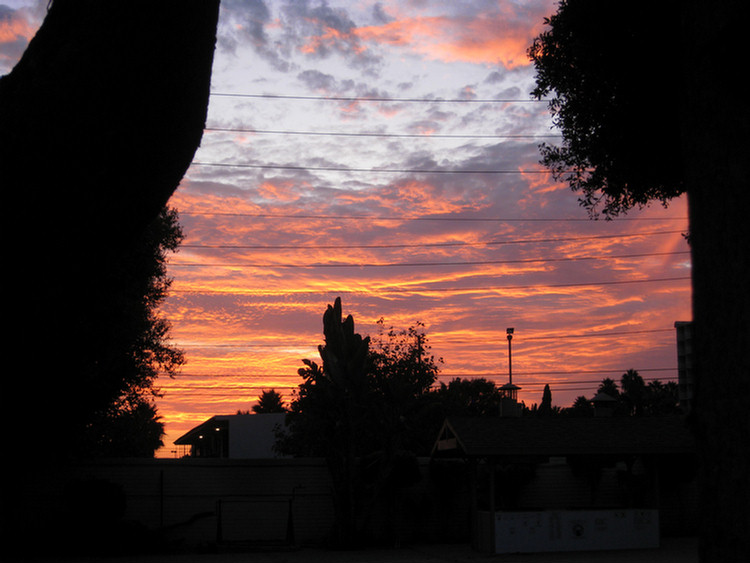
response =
{"points": [[509, 404], [509, 332]]}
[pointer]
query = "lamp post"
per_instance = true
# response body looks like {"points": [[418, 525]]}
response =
{"points": [[509, 392], [509, 332]]}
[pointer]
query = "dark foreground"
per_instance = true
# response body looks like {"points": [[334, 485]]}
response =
{"points": [[672, 550]]}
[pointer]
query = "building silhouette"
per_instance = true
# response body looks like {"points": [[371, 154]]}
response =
{"points": [[685, 375]]}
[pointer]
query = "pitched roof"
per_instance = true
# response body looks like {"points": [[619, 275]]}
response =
{"points": [[259, 422], [560, 436], [194, 433]]}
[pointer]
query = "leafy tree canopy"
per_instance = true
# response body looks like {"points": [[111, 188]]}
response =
{"points": [[129, 347], [467, 397], [614, 107], [359, 410], [368, 390]]}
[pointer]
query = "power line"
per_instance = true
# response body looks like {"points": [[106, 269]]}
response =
{"points": [[562, 386], [563, 373], [463, 376], [378, 99], [427, 264], [307, 217], [416, 245], [411, 290], [436, 342], [376, 170], [366, 134], [459, 375], [597, 335], [558, 336]]}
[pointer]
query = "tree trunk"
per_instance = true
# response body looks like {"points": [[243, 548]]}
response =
{"points": [[99, 121], [716, 148]]}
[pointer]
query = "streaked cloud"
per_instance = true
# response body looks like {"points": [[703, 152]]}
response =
{"points": [[412, 197]]}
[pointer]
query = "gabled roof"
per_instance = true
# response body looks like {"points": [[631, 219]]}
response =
{"points": [[562, 436], [239, 436], [249, 422], [209, 425]]}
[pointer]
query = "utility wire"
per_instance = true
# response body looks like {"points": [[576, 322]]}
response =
{"points": [[412, 290], [307, 217], [561, 386], [436, 342], [365, 134], [375, 170], [415, 245], [501, 336], [564, 372], [466, 375], [378, 99], [423, 264], [596, 335]]}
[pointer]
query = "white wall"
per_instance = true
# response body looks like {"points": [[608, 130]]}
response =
{"points": [[252, 436]]}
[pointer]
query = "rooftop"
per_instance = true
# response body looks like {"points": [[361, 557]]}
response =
{"points": [[561, 436]]}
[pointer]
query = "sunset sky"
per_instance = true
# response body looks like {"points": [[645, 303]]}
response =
{"points": [[387, 153]]}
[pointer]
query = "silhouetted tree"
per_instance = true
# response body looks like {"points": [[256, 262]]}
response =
{"points": [[609, 387], [467, 397], [542, 409], [96, 132], [590, 61], [545, 407], [329, 415], [129, 348], [403, 371], [269, 402], [402, 358], [581, 407], [661, 398], [633, 392], [359, 410], [137, 111], [621, 150], [131, 427]]}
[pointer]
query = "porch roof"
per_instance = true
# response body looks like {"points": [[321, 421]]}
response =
{"points": [[484, 437]]}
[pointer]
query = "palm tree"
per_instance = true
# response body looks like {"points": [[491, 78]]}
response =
{"points": [[608, 386], [633, 392]]}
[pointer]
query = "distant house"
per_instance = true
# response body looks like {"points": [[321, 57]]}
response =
{"points": [[541, 468], [623, 437], [234, 436]]}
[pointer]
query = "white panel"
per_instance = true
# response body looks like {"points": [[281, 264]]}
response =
{"points": [[578, 530]]}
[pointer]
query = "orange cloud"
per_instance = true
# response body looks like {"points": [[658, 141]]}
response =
{"points": [[278, 191], [15, 28], [330, 38], [246, 328], [491, 39]]}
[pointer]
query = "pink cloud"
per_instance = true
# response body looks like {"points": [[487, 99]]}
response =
{"points": [[493, 38], [14, 28]]}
